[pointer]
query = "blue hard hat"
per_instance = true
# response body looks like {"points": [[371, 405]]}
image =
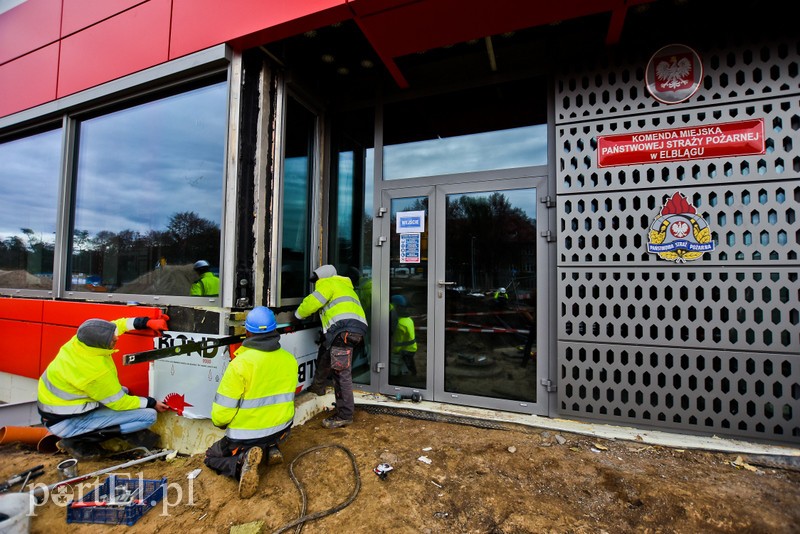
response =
{"points": [[260, 320], [199, 264], [399, 300]]}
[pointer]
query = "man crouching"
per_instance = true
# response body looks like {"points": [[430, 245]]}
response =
{"points": [[254, 403]]}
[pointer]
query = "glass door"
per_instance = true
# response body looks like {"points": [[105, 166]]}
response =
{"points": [[466, 291]]}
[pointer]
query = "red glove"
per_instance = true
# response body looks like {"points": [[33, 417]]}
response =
{"points": [[159, 324]]}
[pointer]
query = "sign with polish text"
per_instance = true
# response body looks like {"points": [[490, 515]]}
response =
{"points": [[742, 138]]}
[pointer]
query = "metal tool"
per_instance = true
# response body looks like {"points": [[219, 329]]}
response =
{"points": [[23, 477], [200, 346], [81, 478]]}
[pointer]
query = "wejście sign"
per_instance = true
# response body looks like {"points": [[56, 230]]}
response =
{"points": [[727, 139]]}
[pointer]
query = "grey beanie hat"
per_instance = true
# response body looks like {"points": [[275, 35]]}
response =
{"points": [[97, 333], [325, 271]]}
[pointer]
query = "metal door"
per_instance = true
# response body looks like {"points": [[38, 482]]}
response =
{"points": [[464, 284]]}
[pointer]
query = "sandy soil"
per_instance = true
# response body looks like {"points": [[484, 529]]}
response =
{"points": [[512, 480]]}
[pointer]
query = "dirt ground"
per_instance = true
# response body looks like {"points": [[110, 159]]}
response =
{"points": [[478, 480]]}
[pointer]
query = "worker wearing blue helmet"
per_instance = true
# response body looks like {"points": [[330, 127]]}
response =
{"points": [[254, 403]]}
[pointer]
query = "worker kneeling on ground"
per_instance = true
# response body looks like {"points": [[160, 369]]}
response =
{"points": [[254, 403], [80, 398]]}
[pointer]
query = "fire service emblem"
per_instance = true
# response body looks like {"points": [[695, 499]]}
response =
{"points": [[679, 234]]}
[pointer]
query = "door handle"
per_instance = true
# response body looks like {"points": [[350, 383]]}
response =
{"points": [[443, 283]]}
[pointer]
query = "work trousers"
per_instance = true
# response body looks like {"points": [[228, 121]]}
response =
{"points": [[342, 379], [127, 420], [226, 455]]}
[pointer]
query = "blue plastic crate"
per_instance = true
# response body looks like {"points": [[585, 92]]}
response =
{"points": [[148, 492]]}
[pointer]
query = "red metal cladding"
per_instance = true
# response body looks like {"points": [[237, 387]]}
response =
{"points": [[72, 314], [29, 26], [199, 24], [121, 45], [21, 310], [79, 14], [29, 81], [19, 348]]}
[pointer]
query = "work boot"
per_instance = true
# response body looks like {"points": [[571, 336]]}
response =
{"points": [[274, 456], [80, 449], [336, 422], [318, 390], [143, 438], [248, 479]]}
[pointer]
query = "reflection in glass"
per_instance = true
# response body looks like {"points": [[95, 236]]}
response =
{"points": [[472, 130], [29, 177], [408, 303], [297, 175], [350, 248], [490, 310], [149, 195]]}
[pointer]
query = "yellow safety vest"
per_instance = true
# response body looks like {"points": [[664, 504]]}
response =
{"points": [[207, 286], [81, 378], [335, 299], [255, 397], [404, 337]]}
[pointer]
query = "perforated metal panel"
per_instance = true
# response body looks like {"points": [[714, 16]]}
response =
{"points": [[709, 346]]}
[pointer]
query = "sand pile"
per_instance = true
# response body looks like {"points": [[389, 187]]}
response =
{"points": [[166, 280]]}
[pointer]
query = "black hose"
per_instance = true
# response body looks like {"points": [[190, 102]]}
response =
{"points": [[300, 521]]}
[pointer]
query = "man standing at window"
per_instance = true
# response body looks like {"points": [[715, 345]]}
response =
{"points": [[208, 283], [344, 324]]}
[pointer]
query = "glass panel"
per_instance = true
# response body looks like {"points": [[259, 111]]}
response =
{"points": [[351, 208], [490, 310], [29, 179], [408, 288], [149, 195], [473, 130], [298, 171]]}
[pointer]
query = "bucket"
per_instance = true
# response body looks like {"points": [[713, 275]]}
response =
{"points": [[68, 469], [19, 509]]}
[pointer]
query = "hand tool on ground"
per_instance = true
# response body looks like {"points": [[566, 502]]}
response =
{"points": [[415, 397], [23, 476], [39, 490], [202, 346]]}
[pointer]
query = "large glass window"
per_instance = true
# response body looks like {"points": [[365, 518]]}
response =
{"points": [[352, 186], [148, 197], [29, 177], [498, 127], [298, 171]]}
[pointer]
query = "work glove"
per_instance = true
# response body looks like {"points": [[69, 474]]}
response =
{"points": [[159, 324]]}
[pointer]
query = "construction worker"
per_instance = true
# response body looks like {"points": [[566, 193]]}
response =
{"points": [[80, 398], [404, 341], [208, 283], [501, 298], [254, 403], [344, 325]]}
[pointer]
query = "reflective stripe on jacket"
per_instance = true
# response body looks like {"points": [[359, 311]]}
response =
{"points": [[81, 378], [404, 339], [255, 397], [207, 286], [336, 301]]}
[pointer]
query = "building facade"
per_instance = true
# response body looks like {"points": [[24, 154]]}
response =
{"points": [[577, 209]]}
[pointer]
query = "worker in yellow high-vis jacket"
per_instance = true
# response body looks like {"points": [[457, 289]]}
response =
{"points": [[80, 398], [344, 324], [254, 403]]}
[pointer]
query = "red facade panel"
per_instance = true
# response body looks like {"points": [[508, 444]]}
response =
{"points": [[72, 314], [29, 26], [21, 309], [29, 81], [121, 45], [199, 24], [79, 14], [19, 348]]}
